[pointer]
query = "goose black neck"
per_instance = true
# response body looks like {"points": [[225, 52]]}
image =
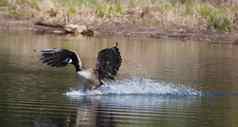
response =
{"points": [[77, 67]]}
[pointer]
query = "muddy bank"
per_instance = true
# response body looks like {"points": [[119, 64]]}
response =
{"points": [[109, 29], [135, 31]]}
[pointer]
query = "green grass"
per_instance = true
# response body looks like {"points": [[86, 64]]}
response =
{"points": [[216, 17], [76, 4], [109, 10], [166, 6], [3, 3]]}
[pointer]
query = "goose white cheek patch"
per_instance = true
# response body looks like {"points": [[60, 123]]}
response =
{"points": [[68, 60]]}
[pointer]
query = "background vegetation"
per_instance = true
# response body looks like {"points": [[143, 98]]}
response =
{"points": [[195, 15]]}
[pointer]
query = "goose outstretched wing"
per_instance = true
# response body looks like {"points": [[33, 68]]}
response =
{"points": [[108, 63], [57, 57]]}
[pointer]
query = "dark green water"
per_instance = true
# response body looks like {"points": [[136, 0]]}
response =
{"points": [[33, 95]]}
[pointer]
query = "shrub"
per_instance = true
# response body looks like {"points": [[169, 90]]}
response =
{"points": [[216, 18]]}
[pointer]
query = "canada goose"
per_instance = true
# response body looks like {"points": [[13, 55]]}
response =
{"points": [[107, 64]]}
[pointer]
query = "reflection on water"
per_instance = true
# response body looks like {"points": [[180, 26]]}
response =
{"points": [[32, 94]]}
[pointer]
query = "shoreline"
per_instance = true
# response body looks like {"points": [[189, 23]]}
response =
{"points": [[120, 29], [183, 20]]}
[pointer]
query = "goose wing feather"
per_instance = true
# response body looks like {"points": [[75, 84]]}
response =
{"points": [[58, 57], [108, 63]]}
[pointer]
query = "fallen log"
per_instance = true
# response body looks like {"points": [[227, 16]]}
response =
{"points": [[60, 29]]}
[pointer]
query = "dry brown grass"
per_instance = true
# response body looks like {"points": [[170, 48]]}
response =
{"points": [[168, 15]]}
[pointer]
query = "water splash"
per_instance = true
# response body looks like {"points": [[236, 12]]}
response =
{"points": [[138, 86]]}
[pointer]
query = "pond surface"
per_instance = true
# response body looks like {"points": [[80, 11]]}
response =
{"points": [[163, 83]]}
